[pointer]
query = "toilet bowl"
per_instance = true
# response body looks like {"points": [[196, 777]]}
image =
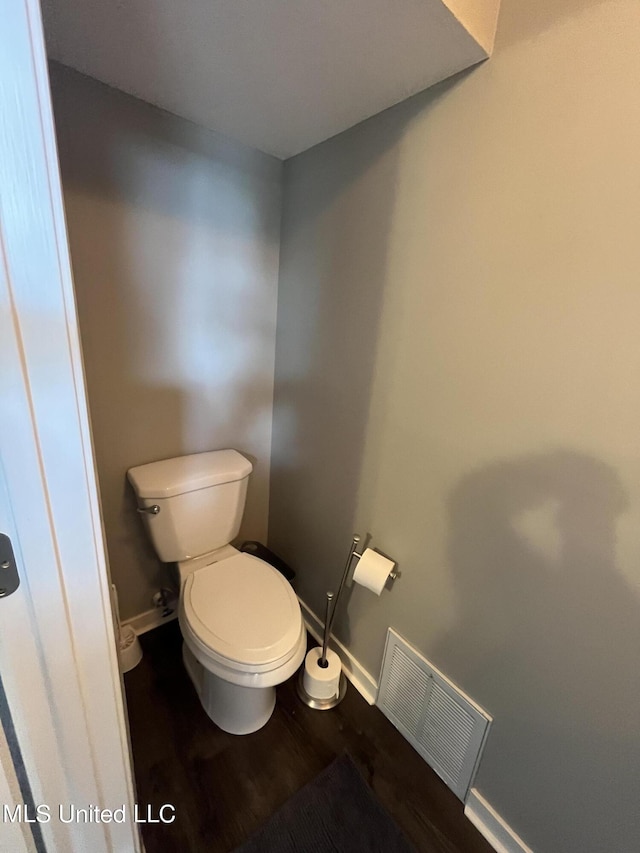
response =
{"points": [[243, 635], [240, 618]]}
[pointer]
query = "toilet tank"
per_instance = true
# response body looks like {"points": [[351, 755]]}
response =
{"points": [[200, 499]]}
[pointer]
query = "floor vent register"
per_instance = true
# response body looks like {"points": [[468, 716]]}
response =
{"points": [[444, 725]]}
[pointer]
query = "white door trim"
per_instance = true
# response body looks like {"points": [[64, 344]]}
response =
{"points": [[57, 645], [15, 837]]}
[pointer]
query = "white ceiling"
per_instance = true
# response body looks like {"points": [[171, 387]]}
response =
{"points": [[279, 75]]}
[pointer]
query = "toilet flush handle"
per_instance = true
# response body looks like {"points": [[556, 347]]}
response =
{"points": [[152, 510]]}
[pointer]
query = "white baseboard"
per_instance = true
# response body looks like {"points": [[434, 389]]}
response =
{"points": [[489, 823], [150, 619], [364, 682]]}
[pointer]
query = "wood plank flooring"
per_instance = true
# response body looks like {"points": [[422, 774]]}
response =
{"points": [[224, 787]]}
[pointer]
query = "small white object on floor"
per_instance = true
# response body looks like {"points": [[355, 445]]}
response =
{"points": [[130, 648]]}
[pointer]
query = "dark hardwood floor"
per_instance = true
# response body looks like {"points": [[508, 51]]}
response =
{"points": [[224, 787]]}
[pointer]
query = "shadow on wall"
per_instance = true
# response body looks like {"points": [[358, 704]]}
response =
{"points": [[333, 275], [533, 552], [174, 239]]}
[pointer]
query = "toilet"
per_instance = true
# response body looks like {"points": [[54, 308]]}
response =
{"points": [[240, 618]]}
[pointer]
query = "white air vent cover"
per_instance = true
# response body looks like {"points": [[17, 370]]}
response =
{"points": [[446, 727]]}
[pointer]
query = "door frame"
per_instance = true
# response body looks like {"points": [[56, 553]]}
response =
{"points": [[57, 640]]}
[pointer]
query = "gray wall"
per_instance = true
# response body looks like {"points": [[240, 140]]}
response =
{"points": [[457, 374], [174, 236]]}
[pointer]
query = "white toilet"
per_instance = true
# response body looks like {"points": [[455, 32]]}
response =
{"points": [[240, 618]]}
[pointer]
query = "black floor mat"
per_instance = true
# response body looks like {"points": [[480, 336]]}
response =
{"points": [[336, 813]]}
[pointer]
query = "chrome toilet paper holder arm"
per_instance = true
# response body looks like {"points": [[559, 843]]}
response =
{"points": [[353, 554], [331, 611]]}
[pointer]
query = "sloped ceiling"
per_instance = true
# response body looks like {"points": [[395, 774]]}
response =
{"points": [[279, 75]]}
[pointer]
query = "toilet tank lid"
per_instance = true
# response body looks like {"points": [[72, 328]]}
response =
{"points": [[172, 477]]}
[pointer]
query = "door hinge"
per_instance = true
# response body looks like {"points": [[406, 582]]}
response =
{"points": [[9, 577]]}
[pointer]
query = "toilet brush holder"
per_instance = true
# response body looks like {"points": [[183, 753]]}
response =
{"points": [[130, 650]]}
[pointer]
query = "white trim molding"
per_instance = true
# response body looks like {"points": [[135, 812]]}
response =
{"points": [[58, 657], [151, 619], [489, 823], [363, 681]]}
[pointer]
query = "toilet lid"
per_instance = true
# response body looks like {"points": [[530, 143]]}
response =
{"points": [[243, 609]]}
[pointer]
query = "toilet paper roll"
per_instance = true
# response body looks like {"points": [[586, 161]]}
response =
{"points": [[373, 570], [321, 683]]}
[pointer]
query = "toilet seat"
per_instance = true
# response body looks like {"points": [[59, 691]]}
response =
{"points": [[241, 615]]}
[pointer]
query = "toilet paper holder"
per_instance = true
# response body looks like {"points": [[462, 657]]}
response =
{"points": [[353, 554], [330, 613]]}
